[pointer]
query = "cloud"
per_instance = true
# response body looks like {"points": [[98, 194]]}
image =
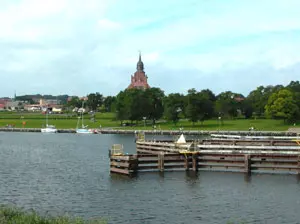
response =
{"points": [[77, 47]]}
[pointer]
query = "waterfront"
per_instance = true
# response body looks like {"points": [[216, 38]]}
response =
{"points": [[69, 173]]}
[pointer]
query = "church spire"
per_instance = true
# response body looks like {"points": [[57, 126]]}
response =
{"points": [[140, 64]]}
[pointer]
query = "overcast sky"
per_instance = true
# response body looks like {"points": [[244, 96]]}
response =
{"points": [[82, 46]]}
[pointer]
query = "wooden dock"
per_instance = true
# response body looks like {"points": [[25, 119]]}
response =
{"points": [[275, 156]]}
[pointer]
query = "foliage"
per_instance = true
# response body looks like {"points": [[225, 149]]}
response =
{"points": [[199, 105], [94, 101], [109, 102], [173, 106], [136, 104], [259, 98], [16, 216], [282, 105], [150, 105]]}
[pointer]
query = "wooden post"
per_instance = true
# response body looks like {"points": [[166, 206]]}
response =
{"points": [[195, 162], [186, 162], [161, 158], [247, 159], [298, 170], [133, 165]]}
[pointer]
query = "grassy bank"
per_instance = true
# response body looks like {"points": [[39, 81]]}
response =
{"points": [[107, 120], [16, 216]]}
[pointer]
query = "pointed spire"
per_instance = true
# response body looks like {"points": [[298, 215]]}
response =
{"points": [[140, 56], [140, 64]]}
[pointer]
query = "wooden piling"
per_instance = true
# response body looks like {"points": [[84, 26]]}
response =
{"points": [[247, 160], [195, 162], [161, 159], [298, 165], [186, 162]]}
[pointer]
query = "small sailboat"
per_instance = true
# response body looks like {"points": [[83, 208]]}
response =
{"points": [[48, 128], [83, 129]]}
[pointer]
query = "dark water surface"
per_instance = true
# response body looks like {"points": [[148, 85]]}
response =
{"points": [[69, 173]]}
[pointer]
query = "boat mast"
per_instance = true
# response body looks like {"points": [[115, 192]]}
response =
{"points": [[47, 117], [82, 114]]}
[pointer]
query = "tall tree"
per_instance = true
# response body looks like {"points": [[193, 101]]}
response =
{"points": [[74, 102], [281, 105], [109, 102], [122, 106], [154, 104], [173, 106], [94, 101], [259, 98]]}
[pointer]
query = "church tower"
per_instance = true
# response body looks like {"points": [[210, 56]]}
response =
{"points": [[139, 79]]}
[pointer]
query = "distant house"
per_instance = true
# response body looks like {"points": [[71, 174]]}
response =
{"points": [[84, 98], [44, 102], [2, 106], [57, 110], [32, 107]]}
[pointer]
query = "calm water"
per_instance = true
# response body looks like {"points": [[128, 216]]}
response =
{"points": [[68, 173]]}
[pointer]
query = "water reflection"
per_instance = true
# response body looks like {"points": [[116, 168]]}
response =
{"points": [[298, 178], [247, 177]]}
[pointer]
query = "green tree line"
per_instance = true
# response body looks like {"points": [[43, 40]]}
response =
{"points": [[136, 105], [275, 102]]}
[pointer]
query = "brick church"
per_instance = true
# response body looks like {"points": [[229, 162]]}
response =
{"points": [[139, 78]]}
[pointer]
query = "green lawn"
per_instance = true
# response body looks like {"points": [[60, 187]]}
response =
{"points": [[107, 120]]}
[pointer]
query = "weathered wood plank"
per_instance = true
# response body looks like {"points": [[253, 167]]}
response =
{"points": [[120, 164], [121, 171], [221, 164]]}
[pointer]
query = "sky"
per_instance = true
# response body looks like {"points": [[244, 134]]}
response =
{"points": [[77, 47]]}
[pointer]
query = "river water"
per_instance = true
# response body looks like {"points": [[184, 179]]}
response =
{"points": [[60, 174]]}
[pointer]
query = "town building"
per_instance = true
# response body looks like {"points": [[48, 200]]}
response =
{"points": [[139, 80]]}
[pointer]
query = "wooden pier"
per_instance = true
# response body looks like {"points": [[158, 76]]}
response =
{"points": [[275, 156]]}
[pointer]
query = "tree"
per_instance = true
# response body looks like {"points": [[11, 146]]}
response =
{"points": [[173, 106], [281, 105], [199, 106], [191, 110], [74, 102], [154, 103], [294, 87], [259, 98], [94, 101], [122, 106], [227, 105], [109, 102]]}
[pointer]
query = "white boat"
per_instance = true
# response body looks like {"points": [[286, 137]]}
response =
{"points": [[83, 129], [48, 128]]}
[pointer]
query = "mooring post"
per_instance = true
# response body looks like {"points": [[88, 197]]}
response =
{"points": [[298, 170], [161, 159], [195, 162], [186, 162], [247, 159], [133, 164]]}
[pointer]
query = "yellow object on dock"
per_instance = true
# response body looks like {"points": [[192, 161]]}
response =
{"points": [[187, 152], [117, 150], [298, 142]]}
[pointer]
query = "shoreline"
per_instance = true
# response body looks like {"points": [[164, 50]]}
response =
{"points": [[164, 132]]}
